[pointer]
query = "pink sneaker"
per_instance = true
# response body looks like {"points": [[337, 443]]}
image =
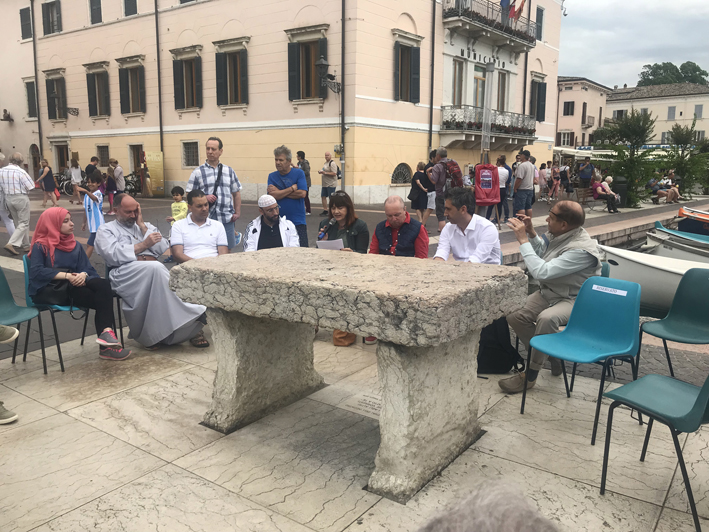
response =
{"points": [[107, 338]]}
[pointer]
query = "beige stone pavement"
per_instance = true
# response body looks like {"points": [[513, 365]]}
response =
{"points": [[118, 446]]}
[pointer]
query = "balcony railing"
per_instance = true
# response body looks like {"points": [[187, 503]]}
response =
{"points": [[590, 122], [493, 16], [469, 118]]}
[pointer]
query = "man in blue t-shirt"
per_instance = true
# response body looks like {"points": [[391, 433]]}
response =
{"points": [[586, 173], [289, 187]]}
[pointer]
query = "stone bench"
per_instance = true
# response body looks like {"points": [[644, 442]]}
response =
{"points": [[263, 308]]}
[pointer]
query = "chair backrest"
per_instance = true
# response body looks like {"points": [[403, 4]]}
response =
{"points": [[691, 301], [6, 297], [26, 264], [698, 415], [605, 269], [607, 313]]}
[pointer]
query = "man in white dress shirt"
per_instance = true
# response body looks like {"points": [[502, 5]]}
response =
{"points": [[469, 237], [561, 261], [197, 236]]}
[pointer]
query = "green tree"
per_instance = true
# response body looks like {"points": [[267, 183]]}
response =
{"points": [[686, 158], [668, 73]]}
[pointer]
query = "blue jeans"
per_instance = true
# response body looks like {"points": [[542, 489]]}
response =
{"points": [[501, 206], [523, 200], [230, 236]]}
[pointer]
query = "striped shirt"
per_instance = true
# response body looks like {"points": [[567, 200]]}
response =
{"points": [[94, 211], [14, 180], [204, 178]]}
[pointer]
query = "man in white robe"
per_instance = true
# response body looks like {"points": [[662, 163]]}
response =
{"points": [[154, 313]]}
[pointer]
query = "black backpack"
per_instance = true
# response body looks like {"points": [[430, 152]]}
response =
{"points": [[495, 353]]}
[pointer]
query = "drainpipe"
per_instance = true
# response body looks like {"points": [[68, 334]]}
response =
{"points": [[36, 79], [526, 63], [433, 65], [342, 100], [157, 47]]}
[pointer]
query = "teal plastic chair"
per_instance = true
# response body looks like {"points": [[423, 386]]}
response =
{"points": [[581, 343], [687, 321], [52, 310], [605, 269], [681, 406], [13, 314]]}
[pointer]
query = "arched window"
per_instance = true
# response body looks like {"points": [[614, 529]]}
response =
{"points": [[402, 174]]}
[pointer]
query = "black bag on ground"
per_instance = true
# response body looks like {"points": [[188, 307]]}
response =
{"points": [[496, 353]]}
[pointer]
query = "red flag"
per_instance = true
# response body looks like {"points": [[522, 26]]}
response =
{"points": [[518, 12], [512, 9]]}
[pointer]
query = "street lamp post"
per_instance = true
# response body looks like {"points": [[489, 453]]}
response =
{"points": [[329, 81]]}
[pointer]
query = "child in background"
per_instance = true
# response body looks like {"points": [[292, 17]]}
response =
{"points": [[179, 211], [110, 189], [93, 209]]}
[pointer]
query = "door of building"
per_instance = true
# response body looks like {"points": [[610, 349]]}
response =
{"points": [[62, 152]]}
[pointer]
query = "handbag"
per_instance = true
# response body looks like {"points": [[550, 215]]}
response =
{"points": [[414, 194], [58, 292]]}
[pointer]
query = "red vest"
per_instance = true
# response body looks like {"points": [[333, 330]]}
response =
{"points": [[487, 185]]}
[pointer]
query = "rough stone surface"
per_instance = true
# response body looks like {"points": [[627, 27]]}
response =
{"points": [[429, 412], [402, 300], [262, 365]]}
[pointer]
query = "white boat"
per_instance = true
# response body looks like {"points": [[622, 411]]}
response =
{"points": [[658, 276], [663, 245]]}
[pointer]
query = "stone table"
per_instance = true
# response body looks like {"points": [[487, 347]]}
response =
{"points": [[263, 308]]}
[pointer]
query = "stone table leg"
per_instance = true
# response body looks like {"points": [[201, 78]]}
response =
{"points": [[429, 412], [262, 365]]}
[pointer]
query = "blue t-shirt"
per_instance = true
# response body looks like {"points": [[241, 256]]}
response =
{"points": [[292, 209], [587, 172]]}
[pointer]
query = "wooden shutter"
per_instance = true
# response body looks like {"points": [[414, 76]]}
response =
{"points": [[222, 81], [62, 88], [541, 101], [131, 7], [584, 110], [558, 139], [415, 86], [124, 89], [141, 89], [293, 71], [31, 99], [198, 81], [574, 142], [91, 87], [179, 84], [322, 51], [51, 104], [106, 96], [244, 81], [26, 23], [58, 7], [95, 11], [46, 21], [397, 55]]}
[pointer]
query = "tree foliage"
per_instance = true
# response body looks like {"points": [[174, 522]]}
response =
{"points": [[685, 157], [668, 73]]}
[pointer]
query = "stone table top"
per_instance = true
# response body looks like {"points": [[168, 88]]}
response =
{"points": [[407, 301]]}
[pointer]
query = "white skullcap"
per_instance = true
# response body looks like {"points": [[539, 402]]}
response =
{"points": [[266, 201]]}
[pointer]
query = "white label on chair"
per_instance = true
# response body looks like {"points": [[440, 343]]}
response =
{"points": [[613, 291]]}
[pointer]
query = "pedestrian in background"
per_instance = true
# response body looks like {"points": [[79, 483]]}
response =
{"points": [[304, 165]]}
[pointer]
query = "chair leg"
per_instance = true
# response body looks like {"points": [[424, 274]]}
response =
{"points": [[566, 381], [526, 376], [608, 446], [647, 439], [56, 339], [573, 376], [86, 321], [120, 319], [600, 398], [41, 342], [27, 340], [667, 354], [640, 348], [17, 341], [687, 487]]}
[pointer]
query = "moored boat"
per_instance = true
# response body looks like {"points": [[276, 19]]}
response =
{"points": [[693, 221], [692, 239], [663, 245]]}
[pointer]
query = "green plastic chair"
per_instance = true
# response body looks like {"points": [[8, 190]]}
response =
{"points": [[681, 406], [13, 314], [687, 321]]}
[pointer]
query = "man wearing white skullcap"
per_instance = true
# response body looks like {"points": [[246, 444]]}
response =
{"points": [[270, 230]]}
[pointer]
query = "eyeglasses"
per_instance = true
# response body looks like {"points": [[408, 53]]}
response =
{"points": [[558, 217]]}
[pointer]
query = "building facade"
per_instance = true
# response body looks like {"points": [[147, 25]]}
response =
{"points": [[581, 110], [112, 85]]}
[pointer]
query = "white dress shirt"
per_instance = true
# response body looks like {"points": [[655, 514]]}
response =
{"points": [[198, 241], [479, 243], [567, 263]]}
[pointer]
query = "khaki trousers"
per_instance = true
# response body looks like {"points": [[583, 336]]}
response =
{"points": [[538, 317], [19, 207]]}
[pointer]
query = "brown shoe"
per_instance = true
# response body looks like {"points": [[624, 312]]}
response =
{"points": [[556, 368], [515, 383], [11, 249]]}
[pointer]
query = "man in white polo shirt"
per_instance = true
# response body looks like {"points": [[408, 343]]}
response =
{"points": [[198, 236], [469, 237]]}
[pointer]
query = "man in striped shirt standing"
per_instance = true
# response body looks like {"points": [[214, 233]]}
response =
{"points": [[16, 185], [222, 188]]}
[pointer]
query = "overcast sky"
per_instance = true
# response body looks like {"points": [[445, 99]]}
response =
{"points": [[609, 41]]}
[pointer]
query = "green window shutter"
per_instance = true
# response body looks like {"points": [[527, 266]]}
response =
{"points": [[106, 96], [124, 89], [141, 88], [26, 23], [198, 81], [397, 54], [222, 83], [131, 7], [58, 6], [293, 71], [46, 24], [179, 84], [31, 99], [415, 75], [91, 87], [62, 88], [541, 101], [322, 52], [244, 81], [51, 104], [95, 11]]}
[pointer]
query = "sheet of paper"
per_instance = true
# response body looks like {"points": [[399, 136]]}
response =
{"points": [[331, 244]]}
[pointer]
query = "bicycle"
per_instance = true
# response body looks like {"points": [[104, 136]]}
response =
{"points": [[64, 183], [134, 185]]}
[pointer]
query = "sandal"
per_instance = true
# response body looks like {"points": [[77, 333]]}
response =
{"points": [[199, 341]]}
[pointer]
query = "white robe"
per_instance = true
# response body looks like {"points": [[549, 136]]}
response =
{"points": [[153, 312]]}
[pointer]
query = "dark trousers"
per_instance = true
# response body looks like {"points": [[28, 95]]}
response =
{"points": [[610, 200], [95, 294], [501, 206], [307, 200], [302, 235]]}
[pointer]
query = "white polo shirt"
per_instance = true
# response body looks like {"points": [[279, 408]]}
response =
{"points": [[198, 241], [480, 243]]}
